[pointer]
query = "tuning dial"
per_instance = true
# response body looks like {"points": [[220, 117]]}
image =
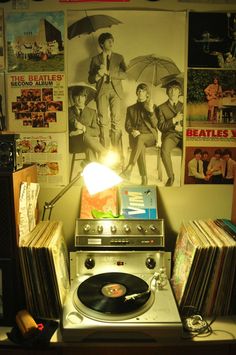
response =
{"points": [[86, 228], [113, 229], [153, 228], [89, 263], [150, 263], [100, 229], [126, 228], [139, 228]]}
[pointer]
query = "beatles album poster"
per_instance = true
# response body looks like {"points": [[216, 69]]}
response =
{"points": [[144, 48], [212, 40], [210, 142], [210, 156], [35, 41], [211, 98], [36, 102]]}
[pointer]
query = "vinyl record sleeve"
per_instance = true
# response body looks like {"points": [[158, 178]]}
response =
{"points": [[138, 202]]}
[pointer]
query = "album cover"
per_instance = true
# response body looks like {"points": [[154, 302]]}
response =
{"points": [[35, 41], [36, 102], [138, 202], [203, 270], [105, 201], [45, 269]]}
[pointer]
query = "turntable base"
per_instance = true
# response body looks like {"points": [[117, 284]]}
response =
{"points": [[95, 308]]}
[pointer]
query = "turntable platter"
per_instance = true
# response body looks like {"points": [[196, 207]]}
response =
{"points": [[106, 292]]}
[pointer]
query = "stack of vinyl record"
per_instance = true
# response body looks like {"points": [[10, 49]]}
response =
{"points": [[204, 271], [44, 263]]}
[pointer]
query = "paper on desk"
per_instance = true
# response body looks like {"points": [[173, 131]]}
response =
{"points": [[27, 206]]}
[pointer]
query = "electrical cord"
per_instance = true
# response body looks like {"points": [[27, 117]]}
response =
{"points": [[194, 323]]}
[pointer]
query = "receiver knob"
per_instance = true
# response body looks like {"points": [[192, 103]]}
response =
{"points": [[100, 229], [139, 228], [126, 228], [113, 229], [89, 263], [86, 228], [153, 228], [150, 263]]}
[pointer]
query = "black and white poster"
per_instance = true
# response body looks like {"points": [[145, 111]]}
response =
{"points": [[128, 90]]}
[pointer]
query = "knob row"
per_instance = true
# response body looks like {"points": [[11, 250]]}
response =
{"points": [[113, 228], [90, 263]]}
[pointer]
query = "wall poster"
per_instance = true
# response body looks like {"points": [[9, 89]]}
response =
{"points": [[47, 151], [150, 53], [211, 99], [35, 41], [36, 102], [212, 40]]}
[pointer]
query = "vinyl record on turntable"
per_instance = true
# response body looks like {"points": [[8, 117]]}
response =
{"points": [[106, 292]]}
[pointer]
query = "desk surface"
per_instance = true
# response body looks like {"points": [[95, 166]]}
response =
{"points": [[223, 331]]}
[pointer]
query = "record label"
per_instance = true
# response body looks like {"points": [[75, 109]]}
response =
{"points": [[113, 290]]}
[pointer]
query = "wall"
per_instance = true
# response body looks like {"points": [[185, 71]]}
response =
{"points": [[174, 204]]}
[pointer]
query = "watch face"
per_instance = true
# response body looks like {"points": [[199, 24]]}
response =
{"points": [[6, 154]]}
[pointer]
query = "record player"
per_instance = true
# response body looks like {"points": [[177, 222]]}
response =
{"points": [[119, 294]]}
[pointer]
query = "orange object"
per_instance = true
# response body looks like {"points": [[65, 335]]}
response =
{"points": [[26, 323]]}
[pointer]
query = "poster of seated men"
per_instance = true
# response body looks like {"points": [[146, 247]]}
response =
{"points": [[125, 91]]}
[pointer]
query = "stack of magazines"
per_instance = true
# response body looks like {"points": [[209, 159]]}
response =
{"points": [[204, 270], [44, 263]]}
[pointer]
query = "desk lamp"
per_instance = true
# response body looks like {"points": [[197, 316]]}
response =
{"points": [[97, 178]]}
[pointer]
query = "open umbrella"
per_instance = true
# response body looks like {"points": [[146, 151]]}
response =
{"points": [[151, 68], [89, 24], [91, 91]]}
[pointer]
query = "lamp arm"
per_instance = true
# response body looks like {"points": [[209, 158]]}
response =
{"points": [[49, 205]]}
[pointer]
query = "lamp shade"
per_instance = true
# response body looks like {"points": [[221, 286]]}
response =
{"points": [[98, 177]]}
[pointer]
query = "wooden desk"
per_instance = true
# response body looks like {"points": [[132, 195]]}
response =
{"points": [[222, 341]]}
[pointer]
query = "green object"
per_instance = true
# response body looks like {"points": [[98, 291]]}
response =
{"points": [[101, 214]]}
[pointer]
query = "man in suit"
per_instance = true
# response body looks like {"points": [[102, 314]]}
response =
{"points": [[107, 70], [228, 167], [195, 168], [83, 127], [170, 117], [141, 125]]}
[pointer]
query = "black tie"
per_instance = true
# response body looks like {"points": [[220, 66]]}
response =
{"points": [[107, 77], [108, 62], [198, 166], [226, 169]]}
